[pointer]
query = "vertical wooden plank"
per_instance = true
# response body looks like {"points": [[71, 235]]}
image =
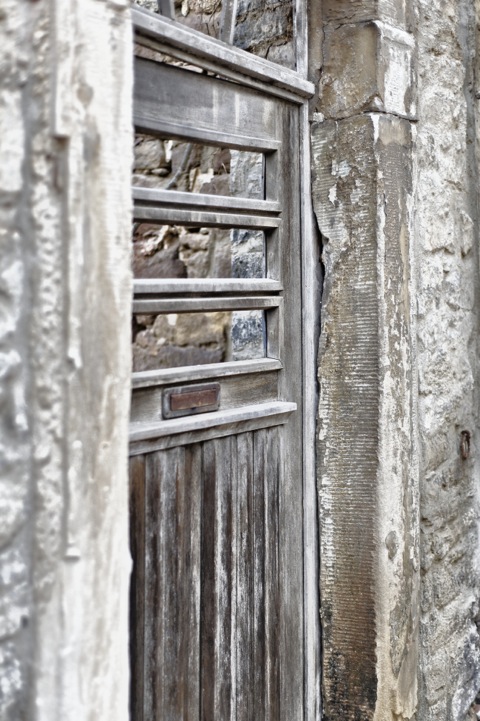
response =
{"points": [[137, 583], [172, 596], [188, 580], [311, 301], [257, 521], [290, 440], [245, 666], [218, 571], [267, 589], [155, 468]]}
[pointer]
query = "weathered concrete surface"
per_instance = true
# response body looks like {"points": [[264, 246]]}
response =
{"points": [[367, 473], [446, 231], [64, 364]]}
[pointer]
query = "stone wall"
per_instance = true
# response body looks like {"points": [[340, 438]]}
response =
{"points": [[263, 28], [415, 60], [446, 233], [174, 251]]}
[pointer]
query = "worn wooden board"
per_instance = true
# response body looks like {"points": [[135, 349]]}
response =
{"points": [[165, 376], [174, 198], [175, 102], [216, 303], [149, 286], [236, 391], [219, 55], [214, 590], [202, 218]]}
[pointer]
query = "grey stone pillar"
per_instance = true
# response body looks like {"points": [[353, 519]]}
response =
{"points": [[367, 469]]}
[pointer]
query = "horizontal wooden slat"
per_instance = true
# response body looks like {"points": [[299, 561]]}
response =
{"points": [[235, 392], [167, 376], [197, 305], [149, 122], [161, 286], [172, 101], [144, 44], [217, 53], [280, 410], [202, 219], [203, 201]]}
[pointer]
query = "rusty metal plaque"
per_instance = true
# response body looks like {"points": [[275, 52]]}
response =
{"points": [[190, 400]]}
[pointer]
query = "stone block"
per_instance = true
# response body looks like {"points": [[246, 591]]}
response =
{"points": [[394, 12], [367, 67], [368, 493]]}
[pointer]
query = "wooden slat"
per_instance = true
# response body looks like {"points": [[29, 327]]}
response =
{"points": [[218, 581], [203, 219], [218, 53], [245, 640], [148, 286], [228, 429], [267, 454], [311, 304], [197, 305], [203, 201], [174, 102], [137, 617], [259, 619], [278, 410], [166, 376], [172, 591], [161, 49], [283, 178]]}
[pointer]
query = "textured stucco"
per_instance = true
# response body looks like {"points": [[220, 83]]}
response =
{"points": [[64, 359], [446, 232]]}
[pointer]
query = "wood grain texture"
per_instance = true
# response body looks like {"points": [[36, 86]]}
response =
{"points": [[217, 111], [164, 376], [137, 548], [202, 218], [192, 305], [219, 53], [172, 578], [157, 196], [235, 391], [215, 595], [154, 286]]}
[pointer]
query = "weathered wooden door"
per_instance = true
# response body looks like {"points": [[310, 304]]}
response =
{"points": [[216, 447]]}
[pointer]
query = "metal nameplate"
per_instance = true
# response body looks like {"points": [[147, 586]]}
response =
{"points": [[190, 400]]}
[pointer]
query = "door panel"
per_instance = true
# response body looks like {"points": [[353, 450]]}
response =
{"points": [[212, 593], [217, 497]]}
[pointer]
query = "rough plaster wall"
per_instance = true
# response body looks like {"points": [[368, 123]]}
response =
{"points": [[446, 231], [64, 363]]}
